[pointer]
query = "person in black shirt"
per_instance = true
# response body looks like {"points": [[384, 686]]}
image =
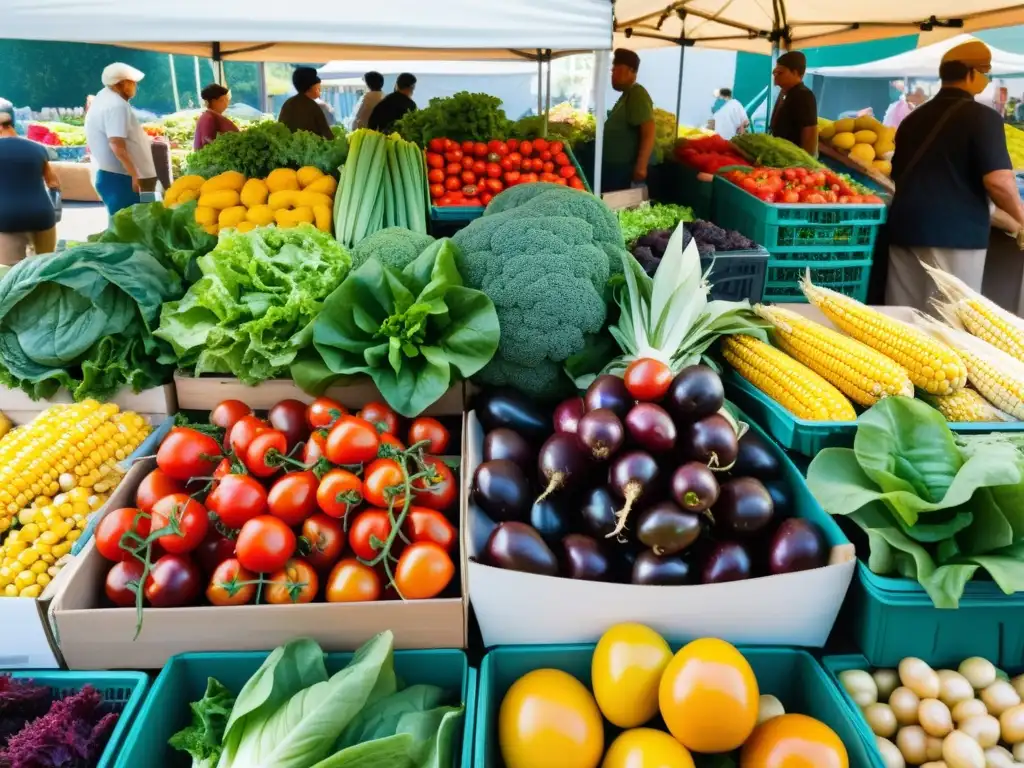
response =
{"points": [[795, 116], [302, 112], [26, 209], [950, 161], [393, 106]]}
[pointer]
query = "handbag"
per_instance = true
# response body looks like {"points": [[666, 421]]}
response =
{"points": [[58, 204]]}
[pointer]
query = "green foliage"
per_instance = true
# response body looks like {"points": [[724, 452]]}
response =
{"points": [[637, 222], [462, 117], [203, 737], [258, 150], [773, 152], [394, 247], [565, 122]]}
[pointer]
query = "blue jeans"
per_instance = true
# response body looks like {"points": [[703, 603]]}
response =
{"points": [[115, 189]]}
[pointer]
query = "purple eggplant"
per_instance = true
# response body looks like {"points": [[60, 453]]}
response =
{"points": [[600, 434], [561, 463], [695, 393], [744, 506], [632, 477], [711, 441], [727, 561], [651, 428], [667, 529], [782, 497], [512, 409], [503, 443], [694, 487], [665, 571], [550, 519], [609, 392], [798, 545], [568, 413], [756, 458], [501, 490], [584, 558], [597, 512], [518, 547]]}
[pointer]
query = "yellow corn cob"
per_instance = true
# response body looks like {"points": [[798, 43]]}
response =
{"points": [[791, 384], [859, 372], [931, 365], [966, 405]]}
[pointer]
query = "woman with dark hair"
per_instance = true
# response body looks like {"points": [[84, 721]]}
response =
{"points": [[212, 122], [27, 215], [375, 82]]}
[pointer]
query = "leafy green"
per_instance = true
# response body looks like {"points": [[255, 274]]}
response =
{"points": [[413, 332], [773, 152], [462, 117], [637, 222], [931, 510], [202, 739], [253, 308], [261, 148]]}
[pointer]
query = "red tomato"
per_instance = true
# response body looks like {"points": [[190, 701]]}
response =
{"points": [[120, 579], [223, 470], [213, 550], [516, 158], [494, 185], [790, 196], [381, 416], [873, 199], [525, 148], [352, 582], [467, 163], [453, 183], [262, 454], [339, 492], [289, 417], [814, 199], [486, 198], [325, 538], [450, 145], [512, 144], [467, 146], [437, 190], [472, 202], [468, 177], [540, 145], [430, 430], [436, 145], [423, 572], [438, 491], [567, 171], [562, 159], [265, 544], [382, 483], [576, 183], [548, 167], [435, 161], [323, 412], [546, 156], [314, 447], [352, 441], [453, 155], [186, 514], [493, 170], [424, 524], [453, 169], [435, 176], [227, 585], [480, 149], [506, 164], [386, 438], [296, 583], [648, 379], [529, 178], [114, 525], [512, 178], [226, 413], [293, 497], [498, 147], [369, 532], [555, 147], [186, 453], [444, 200], [243, 433], [237, 499], [173, 581], [154, 487]]}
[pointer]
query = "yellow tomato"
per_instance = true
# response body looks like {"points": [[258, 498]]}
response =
{"points": [[548, 719], [708, 697], [626, 669], [647, 748], [794, 741]]}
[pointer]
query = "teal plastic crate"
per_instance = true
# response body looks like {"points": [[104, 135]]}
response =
{"points": [[847, 272], [681, 186], [794, 227], [183, 680], [122, 692], [799, 682], [737, 275]]}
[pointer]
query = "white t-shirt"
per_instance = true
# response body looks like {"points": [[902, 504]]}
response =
{"points": [[365, 108], [729, 118], [111, 117]]}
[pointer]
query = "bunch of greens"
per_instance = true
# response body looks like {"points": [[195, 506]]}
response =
{"points": [[258, 150], [414, 331], [564, 122], [253, 308], [637, 222], [932, 511], [292, 714], [773, 152], [462, 117]]}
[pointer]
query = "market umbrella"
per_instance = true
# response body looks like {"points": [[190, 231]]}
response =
{"points": [[922, 63]]}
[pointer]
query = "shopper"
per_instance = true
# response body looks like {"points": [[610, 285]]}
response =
{"points": [[212, 122], [795, 115], [629, 129], [26, 210], [375, 82], [393, 106], [301, 112], [950, 161], [730, 118], [903, 106], [121, 151]]}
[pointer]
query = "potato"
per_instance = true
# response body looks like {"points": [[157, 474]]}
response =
{"points": [[999, 697], [860, 685], [961, 751], [1011, 723], [768, 707], [904, 703], [980, 673], [935, 718], [933, 748], [913, 744], [1018, 752], [1018, 685], [954, 688], [891, 755], [919, 677], [881, 719], [998, 757], [887, 681], [984, 729], [968, 709], [935, 764]]}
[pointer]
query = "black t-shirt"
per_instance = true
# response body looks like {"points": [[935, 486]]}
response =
{"points": [[389, 111], [795, 110], [25, 205], [941, 202]]}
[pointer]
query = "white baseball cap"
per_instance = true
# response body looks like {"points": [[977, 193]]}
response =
{"points": [[118, 71]]}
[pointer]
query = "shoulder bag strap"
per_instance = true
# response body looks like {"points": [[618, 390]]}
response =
{"points": [[930, 138]]}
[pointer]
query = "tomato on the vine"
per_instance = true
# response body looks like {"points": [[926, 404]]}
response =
{"points": [[241, 435], [260, 456], [190, 517], [315, 447], [439, 490], [430, 430], [325, 538], [369, 532], [187, 453], [213, 550], [352, 582], [648, 379], [113, 526], [339, 492], [228, 584], [297, 582], [387, 438], [381, 416], [265, 544], [226, 413], [423, 571], [383, 483], [292, 498], [154, 487], [352, 441], [223, 470], [236, 499], [120, 579], [289, 417], [173, 581], [425, 524], [323, 412]]}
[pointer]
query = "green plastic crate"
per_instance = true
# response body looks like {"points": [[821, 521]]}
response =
{"points": [[681, 186], [183, 680], [122, 692], [793, 676], [848, 273], [795, 227], [736, 275]]}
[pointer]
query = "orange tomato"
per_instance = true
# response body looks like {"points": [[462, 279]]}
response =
{"points": [[794, 741], [382, 484], [228, 584], [423, 571], [297, 582], [647, 748], [628, 664], [352, 582]]}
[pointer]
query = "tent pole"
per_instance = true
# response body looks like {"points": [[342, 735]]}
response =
{"points": [[540, 82], [679, 87], [547, 107], [771, 89], [174, 83], [199, 81], [601, 66]]}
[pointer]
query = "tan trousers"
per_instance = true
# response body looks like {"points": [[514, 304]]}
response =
{"points": [[14, 245], [908, 285]]}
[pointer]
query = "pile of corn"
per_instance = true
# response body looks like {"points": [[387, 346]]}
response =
{"points": [[54, 473], [971, 368]]}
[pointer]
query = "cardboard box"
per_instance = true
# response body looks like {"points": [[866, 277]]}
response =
{"points": [[155, 404], [521, 608], [91, 636]]}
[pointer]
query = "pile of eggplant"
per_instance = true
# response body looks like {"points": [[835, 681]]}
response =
{"points": [[609, 488]]}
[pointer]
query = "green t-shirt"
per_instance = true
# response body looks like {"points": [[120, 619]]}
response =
{"points": [[622, 129]]}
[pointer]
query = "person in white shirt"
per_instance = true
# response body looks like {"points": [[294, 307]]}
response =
{"points": [[375, 82], [122, 153], [730, 118], [903, 106]]}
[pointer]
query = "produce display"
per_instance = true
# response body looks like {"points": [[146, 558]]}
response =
{"points": [[462, 117], [231, 201], [565, 122], [55, 472], [648, 217], [472, 173], [56, 134], [265, 147], [864, 139], [705, 697], [39, 728], [971, 716], [710, 239], [708, 154], [765, 149], [800, 185], [308, 503], [1015, 145], [292, 712]]}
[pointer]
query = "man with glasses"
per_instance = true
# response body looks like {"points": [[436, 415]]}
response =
{"points": [[950, 165]]}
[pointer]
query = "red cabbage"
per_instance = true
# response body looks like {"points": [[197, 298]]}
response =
{"points": [[21, 700]]}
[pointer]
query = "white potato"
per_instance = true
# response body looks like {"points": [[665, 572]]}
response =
{"points": [[935, 718], [913, 743], [887, 681], [999, 697], [919, 677], [881, 719], [998, 757], [961, 751], [768, 707], [1011, 723], [984, 729], [968, 709], [860, 685], [954, 688], [904, 703], [891, 755], [980, 673]]}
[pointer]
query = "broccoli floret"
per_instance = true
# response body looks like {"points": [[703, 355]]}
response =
{"points": [[546, 275], [392, 247]]}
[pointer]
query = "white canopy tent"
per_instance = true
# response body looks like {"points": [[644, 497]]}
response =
{"points": [[341, 69], [922, 63]]}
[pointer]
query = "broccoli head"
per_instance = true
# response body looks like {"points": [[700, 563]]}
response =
{"points": [[546, 273], [392, 247]]}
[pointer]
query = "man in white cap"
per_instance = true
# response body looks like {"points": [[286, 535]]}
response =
{"points": [[121, 151]]}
